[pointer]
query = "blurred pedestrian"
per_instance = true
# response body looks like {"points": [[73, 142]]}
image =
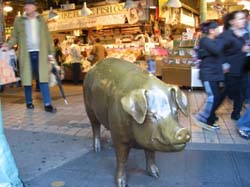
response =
{"points": [[75, 53], [98, 51], [211, 74], [243, 124], [235, 37], [32, 36], [247, 64]]}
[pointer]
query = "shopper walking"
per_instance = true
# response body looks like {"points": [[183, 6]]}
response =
{"points": [[31, 34], [98, 52], [211, 74], [243, 124], [235, 37], [247, 63], [75, 53]]}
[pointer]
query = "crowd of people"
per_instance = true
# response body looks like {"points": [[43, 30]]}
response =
{"points": [[225, 58]]}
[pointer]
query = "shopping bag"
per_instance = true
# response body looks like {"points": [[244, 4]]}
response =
{"points": [[55, 73], [7, 73]]}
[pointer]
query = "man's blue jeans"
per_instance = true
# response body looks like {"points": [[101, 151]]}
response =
{"points": [[44, 86]]}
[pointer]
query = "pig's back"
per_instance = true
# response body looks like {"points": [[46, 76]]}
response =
{"points": [[110, 80]]}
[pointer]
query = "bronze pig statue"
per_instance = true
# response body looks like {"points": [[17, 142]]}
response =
{"points": [[139, 110]]}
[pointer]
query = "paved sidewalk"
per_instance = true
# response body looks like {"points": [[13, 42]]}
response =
{"points": [[58, 147]]}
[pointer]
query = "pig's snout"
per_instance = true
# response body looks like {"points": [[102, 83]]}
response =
{"points": [[182, 136]]}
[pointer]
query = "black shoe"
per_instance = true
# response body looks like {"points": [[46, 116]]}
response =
{"points": [[216, 118], [235, 117], [30, 106], [50, 109]]}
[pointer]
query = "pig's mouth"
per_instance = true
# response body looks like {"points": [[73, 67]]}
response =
{"points": [[179, 146]]}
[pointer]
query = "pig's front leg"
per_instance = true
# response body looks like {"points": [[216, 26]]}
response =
{"points": [[151, 167], [122, 152]]}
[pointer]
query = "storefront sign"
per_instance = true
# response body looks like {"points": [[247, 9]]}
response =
{"points": [[97, 11], [187, 19], [86, 22], [112, 14]]}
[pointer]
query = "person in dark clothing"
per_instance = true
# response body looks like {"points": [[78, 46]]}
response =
{"points": [[75, 53], [243, 124], [235, 50], [58, 52], [211, 74]]}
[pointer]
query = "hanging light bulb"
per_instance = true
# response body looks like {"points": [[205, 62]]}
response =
{"points": [[174, 3], [111, 1], [245, 3], [210, 1], [7, 8], [85, 10], [52, 14], [19, 13], [129, 4]]}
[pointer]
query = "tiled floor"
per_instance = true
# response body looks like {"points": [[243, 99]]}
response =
{"points": [[71, 119]]}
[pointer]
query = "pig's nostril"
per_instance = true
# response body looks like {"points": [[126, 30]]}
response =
{"points": [[179, 137], [182, 134]]}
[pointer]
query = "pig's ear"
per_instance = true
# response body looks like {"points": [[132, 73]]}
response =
{"points": [[180, 99], [135, 103]]}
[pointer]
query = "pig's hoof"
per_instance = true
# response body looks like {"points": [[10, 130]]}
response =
{"points": [[121, 182], [153, 171], [97, 145], [97, 148]]}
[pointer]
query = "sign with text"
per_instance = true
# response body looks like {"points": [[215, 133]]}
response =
{"points": [[112, 14], [86, 22]]}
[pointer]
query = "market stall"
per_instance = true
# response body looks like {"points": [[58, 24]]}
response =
{"points": [[125, 33]]}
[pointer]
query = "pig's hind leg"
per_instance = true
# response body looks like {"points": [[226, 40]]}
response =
{"points": [[96, 128], [151, 167]]}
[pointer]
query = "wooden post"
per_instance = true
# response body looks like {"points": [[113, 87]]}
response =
{"points": [[2, 26], [203, 10]]}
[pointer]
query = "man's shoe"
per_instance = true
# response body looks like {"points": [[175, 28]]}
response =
{"points": [[30, 106], [204, 125], [50, 108]]}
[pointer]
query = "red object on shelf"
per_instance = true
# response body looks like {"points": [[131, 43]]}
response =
{"points": [[157, 12]]}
